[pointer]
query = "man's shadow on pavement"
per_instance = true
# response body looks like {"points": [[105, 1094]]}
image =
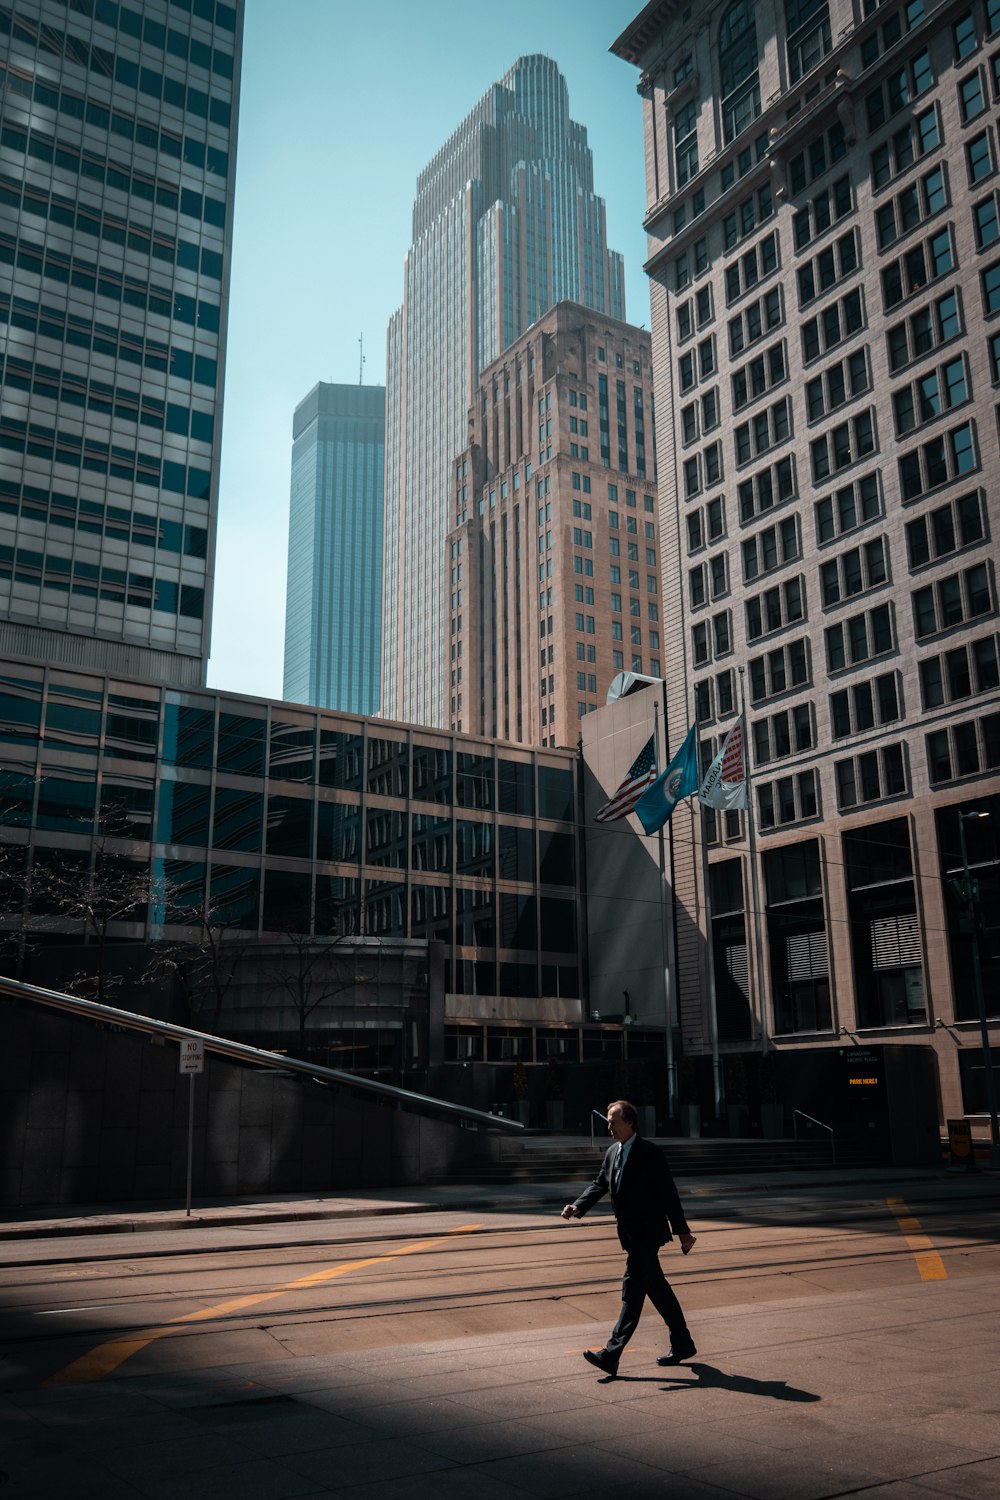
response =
{"points": [[707, 1377]]}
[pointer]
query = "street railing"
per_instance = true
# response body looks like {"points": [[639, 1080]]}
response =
{"points": [[12, 989], [800, 1113]]}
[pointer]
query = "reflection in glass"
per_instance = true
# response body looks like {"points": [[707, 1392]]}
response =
{"points": [[388, 767], [182, 816], [516, 916], [516, 787], [178, 890], [430, 840], [340, 759], [20, 708], [339, 832], [475, 924], [241, 745], [385, 915], [555, 793], [474, 781], [188, 735], [431, 774], [238, 818], [235, 897], [474, 848], [386, 838], [72, 719], [292, 752], [289, 827], [17, 793], [131, 728], [66, 802], [430, 908], [517, 853], [338, 905]]}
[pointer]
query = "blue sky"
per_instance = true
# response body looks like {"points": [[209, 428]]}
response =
{"points": [[342, 105]]}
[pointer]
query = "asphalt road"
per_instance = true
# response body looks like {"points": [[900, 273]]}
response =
{"points": [[84, 1310]]}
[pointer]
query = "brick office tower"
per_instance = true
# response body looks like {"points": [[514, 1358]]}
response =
{"points": [[824, 238], [555, 568], [506, 223], [117, 162]]}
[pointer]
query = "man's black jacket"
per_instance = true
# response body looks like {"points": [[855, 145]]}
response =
{"points": [[647, 1206]]}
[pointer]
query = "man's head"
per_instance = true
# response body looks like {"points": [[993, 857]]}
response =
{"points": [[622, 1119]]}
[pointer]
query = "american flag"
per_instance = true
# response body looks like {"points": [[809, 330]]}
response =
{"points": [[641, 774]]}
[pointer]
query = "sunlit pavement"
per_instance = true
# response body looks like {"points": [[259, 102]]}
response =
{"points": [[849, 1343]]}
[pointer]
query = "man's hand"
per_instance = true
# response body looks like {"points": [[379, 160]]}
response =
{"points": [[686, 1242], [570, 1212]]}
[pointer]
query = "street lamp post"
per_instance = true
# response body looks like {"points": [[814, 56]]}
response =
{"points": [[971, 906]]}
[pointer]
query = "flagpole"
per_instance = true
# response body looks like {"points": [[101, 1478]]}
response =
{"points": [[713, 1008], [667, 951], [757, 914]]}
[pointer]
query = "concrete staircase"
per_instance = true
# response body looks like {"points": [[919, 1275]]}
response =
{"points": [[537, 1157]]}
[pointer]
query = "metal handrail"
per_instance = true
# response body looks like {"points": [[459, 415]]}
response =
{"points": [[12, 989], [596, 1113], [813, 1121]]}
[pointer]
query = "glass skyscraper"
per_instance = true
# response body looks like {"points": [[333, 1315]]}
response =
{"points": [[117, 160], [505, 224], [333, 607]]}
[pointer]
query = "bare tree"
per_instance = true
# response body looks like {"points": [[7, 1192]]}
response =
{"points": [[206, 964], [310, 971]]}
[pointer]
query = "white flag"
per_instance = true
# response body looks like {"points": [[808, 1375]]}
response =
{"points": [[725, 784]]}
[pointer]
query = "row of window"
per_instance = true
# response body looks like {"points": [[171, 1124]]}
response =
{"points": [[104, 338], [93, 518], [193, 150], [173, 92], [115, 585], [125, 403], [141, 186]]}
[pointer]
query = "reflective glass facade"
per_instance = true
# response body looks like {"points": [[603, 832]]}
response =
{"points": [[278, 819], [333, 605], [117, 160]]}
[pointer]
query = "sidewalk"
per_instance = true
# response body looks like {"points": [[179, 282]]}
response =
{"points": [[74, 1220], [890, 1394]]}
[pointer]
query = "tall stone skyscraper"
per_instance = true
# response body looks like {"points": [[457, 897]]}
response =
{"points": [[117, 161], [505, 224], [333, 608]]}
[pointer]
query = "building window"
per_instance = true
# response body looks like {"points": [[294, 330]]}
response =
{"points": [[924, 331], [873, 702], [952, 601], [809, 39], [916, 269], [947, 529], [832, 265], [854, 572], [965, 749], [738, 65], [960, 673], [859, 639], [850, 507], [837, 322]]}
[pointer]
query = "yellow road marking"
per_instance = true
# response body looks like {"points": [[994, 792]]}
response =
{"points": [[929, 1263], [99, 1362]]}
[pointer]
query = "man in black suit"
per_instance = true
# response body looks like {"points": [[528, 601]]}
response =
{"points": [[647, 1207]]}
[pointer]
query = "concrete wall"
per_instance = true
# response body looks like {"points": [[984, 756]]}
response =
{"points": [[94, 1115]]}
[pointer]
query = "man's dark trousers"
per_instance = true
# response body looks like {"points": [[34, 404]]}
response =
{"points": [[644, 1278]]}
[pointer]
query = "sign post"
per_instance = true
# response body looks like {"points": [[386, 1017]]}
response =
{"points": [[192, 1061], [960, 1146]]}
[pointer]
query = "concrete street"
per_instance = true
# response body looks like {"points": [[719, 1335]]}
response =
{"points": [[429, 1343]]}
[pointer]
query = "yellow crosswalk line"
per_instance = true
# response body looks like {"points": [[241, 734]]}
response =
{"points": [[929, 1263], [102, 1361]]}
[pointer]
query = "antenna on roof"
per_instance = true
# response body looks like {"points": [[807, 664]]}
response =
{"points": [[361, 358]]}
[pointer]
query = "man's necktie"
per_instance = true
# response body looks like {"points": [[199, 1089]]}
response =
{"points": [[616, 1171]]}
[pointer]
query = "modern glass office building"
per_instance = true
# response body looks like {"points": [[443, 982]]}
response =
{"points": [[333, 606], [280, 819], [117, 160], [505, 224]]}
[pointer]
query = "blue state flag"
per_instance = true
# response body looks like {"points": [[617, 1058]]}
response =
{"points": [[679, 780]]}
